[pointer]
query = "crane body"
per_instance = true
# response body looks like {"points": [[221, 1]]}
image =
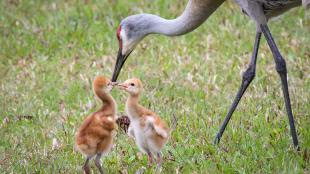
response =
{"points": [[134, 28]]}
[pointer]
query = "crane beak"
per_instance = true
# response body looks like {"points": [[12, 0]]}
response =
{"points": [[119, 64]]}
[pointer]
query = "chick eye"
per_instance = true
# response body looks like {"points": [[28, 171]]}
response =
{"points": [[132, 84]]}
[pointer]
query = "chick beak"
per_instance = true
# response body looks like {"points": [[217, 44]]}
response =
{"points": [[122, 86]]}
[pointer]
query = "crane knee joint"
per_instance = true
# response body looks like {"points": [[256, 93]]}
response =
{"points": [[248, 75], [281, 66]]}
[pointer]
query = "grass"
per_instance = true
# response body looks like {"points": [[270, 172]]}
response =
{"points": [[50, 51]]}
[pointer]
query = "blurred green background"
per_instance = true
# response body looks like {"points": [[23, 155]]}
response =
{"points": [[50, 51]]}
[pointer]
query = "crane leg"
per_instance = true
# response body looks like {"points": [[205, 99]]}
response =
{"points": [[281, 69], [247, 78]]}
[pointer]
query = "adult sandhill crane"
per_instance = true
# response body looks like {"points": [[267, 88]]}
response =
{"points": [[134, 28]]}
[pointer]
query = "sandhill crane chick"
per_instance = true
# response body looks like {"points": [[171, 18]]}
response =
{"points": [[95, 135], [149, 131]]}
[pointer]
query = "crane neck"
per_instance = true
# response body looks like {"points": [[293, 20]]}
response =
{"points": [[195, 13]]}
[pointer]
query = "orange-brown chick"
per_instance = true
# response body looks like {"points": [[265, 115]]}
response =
{"points": [[95, 135], [149, 131]]}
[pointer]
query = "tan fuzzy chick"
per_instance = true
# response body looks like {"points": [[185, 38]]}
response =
{"points": [[149, 131], [95, 135]]}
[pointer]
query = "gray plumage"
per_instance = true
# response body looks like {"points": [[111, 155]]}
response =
{"points": [[262, 10], [274, 8], [197, 11], [306, 3]]}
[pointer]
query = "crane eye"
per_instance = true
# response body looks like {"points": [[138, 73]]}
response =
{"points": [[132, 84]]}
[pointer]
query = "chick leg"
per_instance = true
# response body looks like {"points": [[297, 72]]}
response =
{"points": [[86, 168], [159, 159], [149, 157], [98, 163]]}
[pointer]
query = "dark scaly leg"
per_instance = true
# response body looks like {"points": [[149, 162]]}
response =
{"points": [[247, 78], [281, 69]]}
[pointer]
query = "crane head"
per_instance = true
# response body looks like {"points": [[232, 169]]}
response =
{"points": [[130, 32]]}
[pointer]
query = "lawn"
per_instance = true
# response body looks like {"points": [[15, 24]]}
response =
{"points": [[50, 51]]}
